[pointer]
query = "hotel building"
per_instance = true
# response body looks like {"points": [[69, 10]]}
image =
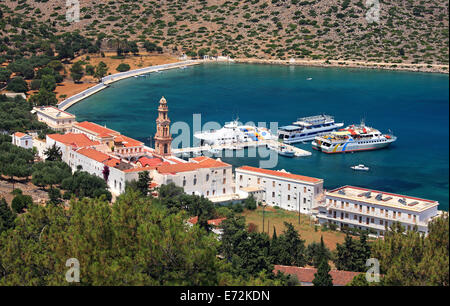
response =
{"points": [[283, 189], [55, 118], [374, 210]]}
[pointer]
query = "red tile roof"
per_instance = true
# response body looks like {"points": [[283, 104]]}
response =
{"points": [[98, 156], [281, 174], [306, 275], [73, 139], [139, 169], [215, 222], [19, 134], [127, 141], [146, 161], [96, 129], [184, 167]]}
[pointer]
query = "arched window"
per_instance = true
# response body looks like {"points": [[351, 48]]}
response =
{"points": [[207, 177], [195, 179], [184, 181], [165, 148]]}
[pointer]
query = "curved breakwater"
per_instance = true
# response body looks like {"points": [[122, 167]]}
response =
{"points": [[63, 105]]}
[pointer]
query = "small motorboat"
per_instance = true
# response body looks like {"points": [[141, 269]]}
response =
{"points": [[309, 79], [360, 167], [284, 151]]}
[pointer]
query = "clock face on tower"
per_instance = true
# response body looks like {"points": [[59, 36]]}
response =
{"points": [[163, 139]]}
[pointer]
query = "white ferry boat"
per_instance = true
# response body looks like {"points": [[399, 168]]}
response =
{"points": [[305, 129], [353, 138], [232, 134]]}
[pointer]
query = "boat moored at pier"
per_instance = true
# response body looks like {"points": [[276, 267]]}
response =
{"points": [[306, 128], [233, 133], [353, 138]]}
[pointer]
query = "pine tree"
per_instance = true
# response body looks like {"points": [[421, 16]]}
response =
{"points": [[143, 183], [345, 255], [53, 153], [322, 277], [6, 216]]}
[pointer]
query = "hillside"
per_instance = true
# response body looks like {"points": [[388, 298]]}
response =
{"points": [[409, 31]]}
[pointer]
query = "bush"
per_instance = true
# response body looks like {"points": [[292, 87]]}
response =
{"points": [[16, 191], [35, 84], [20, 202], [123, 67], [224, 212], [238, 208], [250, 203], [17, 84]]}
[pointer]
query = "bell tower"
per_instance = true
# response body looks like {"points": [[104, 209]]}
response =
{"points": [[163, 139]]}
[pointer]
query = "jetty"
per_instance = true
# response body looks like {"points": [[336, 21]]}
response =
{"points": [[63, 105], [270, 144]]}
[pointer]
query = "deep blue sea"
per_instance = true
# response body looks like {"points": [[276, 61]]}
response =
{"points": [[415, 106]]}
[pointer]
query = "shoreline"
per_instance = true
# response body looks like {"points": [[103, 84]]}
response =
{"points": [[70, 101], [441, 69]]}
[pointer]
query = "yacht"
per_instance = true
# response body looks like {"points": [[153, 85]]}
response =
{"points": [[307, 128], [232, 133], [353, 138], [360, 167]]}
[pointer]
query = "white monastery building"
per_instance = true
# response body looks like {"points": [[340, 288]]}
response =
{"points": [[201, 176], [55, 118], [374, 210], [22, 140], [286, 190]]}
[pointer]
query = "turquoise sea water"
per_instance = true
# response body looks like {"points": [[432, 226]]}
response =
{"points": [[415, 106]]}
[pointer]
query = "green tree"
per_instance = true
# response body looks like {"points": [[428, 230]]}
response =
{"points": [[4, 74], [130, 243], [322, 277], [250, 203], [53, 153], [17, 84], [20, 202], [50, 173], [77, 71], [82, 184], [100, 70], [289, 249], [411, 259], [143, 183], [248, 253], [123, 67], [90, 70], [54, 195], [44, 97], [352, 255], [315, 252], [48, 82], [6, 216], [15, 161]]}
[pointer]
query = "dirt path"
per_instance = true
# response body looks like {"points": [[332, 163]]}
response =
{"points": [[27, 188]]}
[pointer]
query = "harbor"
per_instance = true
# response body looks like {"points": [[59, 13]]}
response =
{"points": [[218, 148]]}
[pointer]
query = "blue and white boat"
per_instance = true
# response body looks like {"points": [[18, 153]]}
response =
{"points": [[232, 134], [307, 128]]}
